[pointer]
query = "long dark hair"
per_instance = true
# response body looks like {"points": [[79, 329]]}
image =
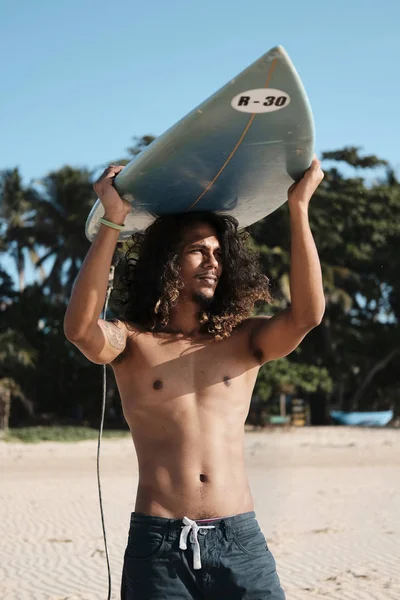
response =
{"points": [[150, 282]]}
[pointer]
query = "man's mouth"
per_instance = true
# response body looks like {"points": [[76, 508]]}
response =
{"points": [[208, 278]]}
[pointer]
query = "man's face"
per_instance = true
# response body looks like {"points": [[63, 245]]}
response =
{"points": [[201, 263]]}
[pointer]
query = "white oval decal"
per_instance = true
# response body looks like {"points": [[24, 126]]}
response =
{"points": [[261, 101]]}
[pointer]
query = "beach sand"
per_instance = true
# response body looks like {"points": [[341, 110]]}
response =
{"points": [[326, 498]]}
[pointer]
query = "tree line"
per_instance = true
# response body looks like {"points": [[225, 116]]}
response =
{"points": [[351, 361]]}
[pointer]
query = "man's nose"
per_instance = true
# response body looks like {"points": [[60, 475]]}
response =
{"points": [[211, 261]]}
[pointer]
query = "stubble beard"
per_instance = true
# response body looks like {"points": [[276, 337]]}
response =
{"points": [[204, 302]]}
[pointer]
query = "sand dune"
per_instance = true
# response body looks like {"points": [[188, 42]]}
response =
{"points": [[327, 500]]}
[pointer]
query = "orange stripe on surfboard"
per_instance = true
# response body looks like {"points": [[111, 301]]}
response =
{"points": [[271, 70]]}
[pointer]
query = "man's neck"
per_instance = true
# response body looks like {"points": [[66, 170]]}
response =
{"points": [[184, 319]]}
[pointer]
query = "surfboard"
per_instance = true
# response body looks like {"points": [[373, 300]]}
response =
{"points": [[237, 153]]}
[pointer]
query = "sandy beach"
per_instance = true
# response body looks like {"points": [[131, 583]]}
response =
{"points": [[327, 500]]}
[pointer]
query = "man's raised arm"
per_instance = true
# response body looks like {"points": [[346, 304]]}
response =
{"points": [[279, 335], [100, 341]]}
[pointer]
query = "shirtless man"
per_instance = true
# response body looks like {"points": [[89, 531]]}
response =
{"points": [[186, 355]]}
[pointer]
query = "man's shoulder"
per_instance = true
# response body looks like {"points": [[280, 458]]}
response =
{"points": [[132, 329], [251, 323], [248, 329]]}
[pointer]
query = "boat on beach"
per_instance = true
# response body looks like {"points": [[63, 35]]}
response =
{"points": [[366, 419]]}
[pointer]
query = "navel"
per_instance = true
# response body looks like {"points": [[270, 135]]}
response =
{"points": [[157, 385], [203, 477], [227, 380]]}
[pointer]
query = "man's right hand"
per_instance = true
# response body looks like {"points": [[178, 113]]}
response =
{"points": [[115, 208]]}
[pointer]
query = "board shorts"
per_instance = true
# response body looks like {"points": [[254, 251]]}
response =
{"points": [[213, 559]]}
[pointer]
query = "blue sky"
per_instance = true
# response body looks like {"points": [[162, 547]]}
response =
{"points": [[81, 77]]}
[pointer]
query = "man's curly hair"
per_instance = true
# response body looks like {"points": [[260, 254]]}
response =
{"points": [[150, 282]]}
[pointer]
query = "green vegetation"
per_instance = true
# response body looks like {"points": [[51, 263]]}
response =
{"points": [[33, 435], [351, 361]]}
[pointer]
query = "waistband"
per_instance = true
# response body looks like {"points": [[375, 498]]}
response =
{"points": [[229, 525]]}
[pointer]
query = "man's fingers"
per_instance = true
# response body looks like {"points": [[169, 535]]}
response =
{"points": [[315, 162], [111, 172], [314, 167], [114, 169]]}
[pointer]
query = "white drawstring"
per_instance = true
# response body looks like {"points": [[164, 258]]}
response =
{"points": [[194, 528]]}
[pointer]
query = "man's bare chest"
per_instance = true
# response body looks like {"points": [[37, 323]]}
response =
{"points": [[162, 367]]}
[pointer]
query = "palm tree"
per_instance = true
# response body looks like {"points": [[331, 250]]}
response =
{"points": [[16, 206], [140, 144], [65, 201], [14, 352]]}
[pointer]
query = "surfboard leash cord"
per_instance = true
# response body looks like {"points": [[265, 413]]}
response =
{"points": [[103, 410]]}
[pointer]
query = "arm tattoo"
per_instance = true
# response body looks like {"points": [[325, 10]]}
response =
{"points": [[115, 336]]}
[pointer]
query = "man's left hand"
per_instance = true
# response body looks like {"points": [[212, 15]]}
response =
{"points": [[300, 193]]}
